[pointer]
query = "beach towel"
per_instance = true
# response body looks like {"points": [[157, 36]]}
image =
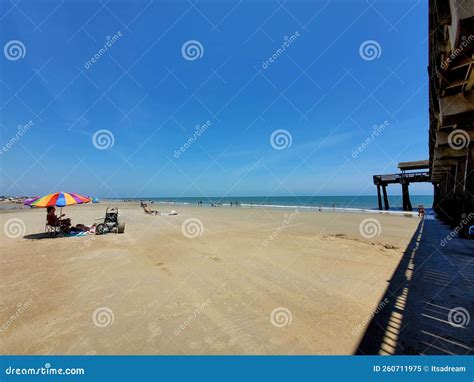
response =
{"points": [[76, 234], [169, 213]]}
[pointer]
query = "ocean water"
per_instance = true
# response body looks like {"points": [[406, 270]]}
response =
{"points": [[325, 202]]}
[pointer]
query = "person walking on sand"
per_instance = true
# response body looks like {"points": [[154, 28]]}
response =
{"points": [[421, 211]]}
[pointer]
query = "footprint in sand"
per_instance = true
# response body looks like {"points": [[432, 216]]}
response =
{"points": [[154, 329], [218, 346], [214, 343], [276, 341]]}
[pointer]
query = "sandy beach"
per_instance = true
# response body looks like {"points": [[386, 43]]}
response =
{"points": [[230, 281]]}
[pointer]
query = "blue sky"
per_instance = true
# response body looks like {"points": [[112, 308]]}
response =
{"points": [[149, 93]]}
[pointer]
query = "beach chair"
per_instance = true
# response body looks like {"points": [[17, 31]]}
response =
{"points": [[51, 230]]}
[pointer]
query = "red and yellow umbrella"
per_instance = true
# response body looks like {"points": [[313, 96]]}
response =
{"points": [[58, 199]]}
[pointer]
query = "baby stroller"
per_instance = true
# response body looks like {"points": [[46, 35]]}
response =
{"points": [[111, 222]]}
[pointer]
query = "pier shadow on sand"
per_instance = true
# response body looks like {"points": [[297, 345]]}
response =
{"points": [[427, 305]]}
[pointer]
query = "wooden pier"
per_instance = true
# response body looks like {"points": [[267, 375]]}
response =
{"points": [[451, 108], [404, 179]]}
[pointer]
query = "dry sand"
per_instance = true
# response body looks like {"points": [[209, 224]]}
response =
{"points": [[152, 290]]}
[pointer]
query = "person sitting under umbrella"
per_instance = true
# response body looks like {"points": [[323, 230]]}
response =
{"points": [[56, 221]]}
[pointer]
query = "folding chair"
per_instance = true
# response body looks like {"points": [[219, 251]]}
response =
{"points": [[52, 230]]}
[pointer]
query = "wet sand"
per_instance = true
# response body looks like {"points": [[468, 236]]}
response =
{"points": [[251, 281]]}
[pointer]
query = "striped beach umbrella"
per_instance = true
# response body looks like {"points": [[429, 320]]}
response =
{"points": [[58, 199]]}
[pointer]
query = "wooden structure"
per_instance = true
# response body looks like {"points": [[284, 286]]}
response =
{"points": [[451, 107], [404, 179]]}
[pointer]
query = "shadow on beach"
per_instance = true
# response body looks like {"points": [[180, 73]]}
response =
{"points": [[39, 236], [425, 308]]}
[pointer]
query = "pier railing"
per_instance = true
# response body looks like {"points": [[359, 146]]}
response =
{"points": [[410, 177]]}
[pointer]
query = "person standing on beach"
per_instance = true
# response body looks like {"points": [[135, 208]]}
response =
{"points": [[421, 211]]}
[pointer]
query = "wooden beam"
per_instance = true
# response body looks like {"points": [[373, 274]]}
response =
{"points": [[446, 162], [442, 137], [379, 197], [406, 197], [455, 105], [385, 197], [448, 153], [414, 165]]}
